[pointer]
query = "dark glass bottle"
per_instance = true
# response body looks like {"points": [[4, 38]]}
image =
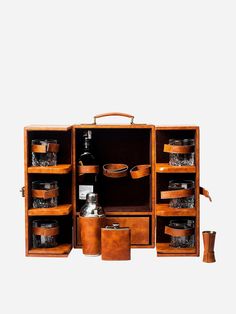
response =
{"points": [[87, 181]]}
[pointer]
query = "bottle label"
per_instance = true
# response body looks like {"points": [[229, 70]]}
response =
{"points": [[84, 190]]}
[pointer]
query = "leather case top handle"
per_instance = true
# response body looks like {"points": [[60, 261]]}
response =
{"points": [[109, 114]]}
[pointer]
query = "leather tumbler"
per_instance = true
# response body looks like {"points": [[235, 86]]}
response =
{"points": [[91, 234], [209, 243]]}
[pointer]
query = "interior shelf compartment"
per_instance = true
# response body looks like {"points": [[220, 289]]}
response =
{"points": [[58, 169], [64, 185], [60, 250], [163, 240], [59, 210], [164, 134], [63, 135], [64, 238], [166, 168], [165, 210], [126, 210], [163, 183], [141, 228], [131, 146]]}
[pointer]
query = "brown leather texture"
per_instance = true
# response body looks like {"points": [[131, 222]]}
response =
{"points": [[42, 231], [179, 149], [50, 147], [209, 243], [177, 193], [140, 171], [90, 230], [115, 244], [205, 193], [88, 169], [115, 170], [140, 228], [178, 232], [45, 193]]}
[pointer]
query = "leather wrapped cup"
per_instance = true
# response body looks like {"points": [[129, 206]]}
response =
{"points": [[90, 228]]}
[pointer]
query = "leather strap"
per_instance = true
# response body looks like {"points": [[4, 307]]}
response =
{"points": [[178, 232], [185, 149], [45, 193], [43, 231], [177, 193], [115, 170], [205, 193], [140, 171], [50, 147], [88, 169], [120, 114]]}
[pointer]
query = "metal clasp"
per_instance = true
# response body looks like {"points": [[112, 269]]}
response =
{"points": [[22, 190]]}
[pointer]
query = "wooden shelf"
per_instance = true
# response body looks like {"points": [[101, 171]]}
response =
{"points": [[60, 210], [165, 210], [58, 169], [60, 250], [166, 168], [165, 248], [126, 210]]}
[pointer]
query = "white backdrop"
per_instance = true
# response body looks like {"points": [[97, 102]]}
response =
{"points": [[166, 62]]}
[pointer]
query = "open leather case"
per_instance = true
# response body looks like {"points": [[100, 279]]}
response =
{"points": [[138, 200]]}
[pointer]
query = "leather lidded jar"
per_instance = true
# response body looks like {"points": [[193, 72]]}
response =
{"points": [[92, 219]]}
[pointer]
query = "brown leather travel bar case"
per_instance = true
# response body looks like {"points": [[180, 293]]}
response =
{"points": [[115, 243], [132, 189]]}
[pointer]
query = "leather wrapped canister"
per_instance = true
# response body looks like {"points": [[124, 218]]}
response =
{"points": [[90, 228], [209, 243], [91, 220], [115, 243]]}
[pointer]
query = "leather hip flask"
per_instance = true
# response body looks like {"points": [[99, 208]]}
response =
{"points": [[115, 243]]}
